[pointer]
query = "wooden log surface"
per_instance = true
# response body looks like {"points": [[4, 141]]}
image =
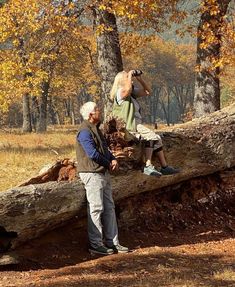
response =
{"points": [[200, 147]]}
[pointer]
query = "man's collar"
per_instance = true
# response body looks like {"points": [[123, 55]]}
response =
{"points": [[91, 124]]}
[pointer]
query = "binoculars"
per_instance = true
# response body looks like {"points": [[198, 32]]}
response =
{"points": [[137, 73]]}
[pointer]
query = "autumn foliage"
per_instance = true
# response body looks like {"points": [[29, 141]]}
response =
{"points": [[54, 43]]}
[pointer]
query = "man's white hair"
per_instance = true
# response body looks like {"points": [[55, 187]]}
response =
{"points": [[87, 109]]}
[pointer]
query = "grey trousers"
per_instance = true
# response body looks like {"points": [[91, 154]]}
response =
{"points": [[102, 224]]}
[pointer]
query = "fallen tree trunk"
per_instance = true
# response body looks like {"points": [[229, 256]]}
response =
{"points": [[200, 147]]}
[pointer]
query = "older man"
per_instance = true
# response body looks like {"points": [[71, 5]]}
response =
{"points": [[94, 162]]}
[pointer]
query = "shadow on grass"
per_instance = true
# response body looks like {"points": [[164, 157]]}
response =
{"points": [[151, 268], [68, 245], [159, 257]]}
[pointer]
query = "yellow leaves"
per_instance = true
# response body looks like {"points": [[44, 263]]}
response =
{"points": [[135, 3], [102, 28], [16, 42], [120, 11], [159, 60], [93, 90], [210, 6], [214, 10], [45, 45], [9, 68], [131, 16], [153, 6], [211, 63], [218, 63], [58, 83], [203, 45], [216, 34], [142, 14], [207, 36], [131, 41], [102, 7], [126, 10], [4, 102], [197, 68]]}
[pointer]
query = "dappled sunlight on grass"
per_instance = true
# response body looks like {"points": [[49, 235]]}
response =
{"points": [[150, 267]]}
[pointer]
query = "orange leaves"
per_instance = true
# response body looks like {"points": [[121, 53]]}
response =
{"points": [[162, 62], [210, 6], [44, 43], [142, 14], [131, 42], [216, 35], [15, 15], [102, 28]]}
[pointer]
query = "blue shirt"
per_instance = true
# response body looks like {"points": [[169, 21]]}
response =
{"points": [[89, 146]]}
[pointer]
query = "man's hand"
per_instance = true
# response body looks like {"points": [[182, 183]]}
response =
{"points": [[113, 165]]}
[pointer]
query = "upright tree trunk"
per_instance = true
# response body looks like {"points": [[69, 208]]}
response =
{"points": [[182, 95], [27, 127], [166, 108], [109, 53], [72, 113], [207, 84], [52, 112], [42, 123], [69, 110], [35, 112], [153, 103]]}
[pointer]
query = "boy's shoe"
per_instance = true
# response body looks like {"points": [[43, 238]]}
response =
{"points": [[168, 170], [119, 248], [150, 170], [102, 250]]}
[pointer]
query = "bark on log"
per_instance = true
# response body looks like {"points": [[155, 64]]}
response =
{"points": [[200, 147]]}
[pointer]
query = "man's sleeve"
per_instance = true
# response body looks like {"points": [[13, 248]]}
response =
{"points": [[88, 144]]}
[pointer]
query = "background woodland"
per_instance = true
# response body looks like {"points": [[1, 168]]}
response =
{"points": [[56, 55]]}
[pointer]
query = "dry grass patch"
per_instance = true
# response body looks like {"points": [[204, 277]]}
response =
{"points": [[23, 155], [225, 274]]}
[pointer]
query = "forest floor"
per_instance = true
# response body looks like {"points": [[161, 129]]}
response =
{"points": [[198, 252], [172, 244]]}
